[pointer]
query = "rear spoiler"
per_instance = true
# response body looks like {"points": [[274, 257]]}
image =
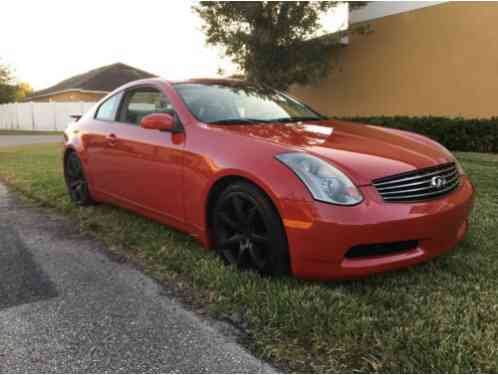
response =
{"points": [[76, 117]]}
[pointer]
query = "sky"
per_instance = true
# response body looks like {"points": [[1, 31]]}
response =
{"points": [[47, 41]]}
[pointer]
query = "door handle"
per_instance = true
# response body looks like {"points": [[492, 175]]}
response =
{"points": [[111, 139]]}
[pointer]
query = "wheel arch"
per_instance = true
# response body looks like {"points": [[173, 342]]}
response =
{"points": [[219, 185], [75, 148], [67, 151]]}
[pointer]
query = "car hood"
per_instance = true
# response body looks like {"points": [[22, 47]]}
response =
{"points": [[364, 152]]}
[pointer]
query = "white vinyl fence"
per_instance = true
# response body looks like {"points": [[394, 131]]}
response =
{"points": [[40, 116]]}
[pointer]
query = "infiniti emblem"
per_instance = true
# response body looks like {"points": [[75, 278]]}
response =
{"points": [[438, 182]]}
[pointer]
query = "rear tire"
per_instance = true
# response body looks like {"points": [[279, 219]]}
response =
{"points": [[248, 232], [76, 181]]}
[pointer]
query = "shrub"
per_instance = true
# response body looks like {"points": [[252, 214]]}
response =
{"points": [[457, 134]]}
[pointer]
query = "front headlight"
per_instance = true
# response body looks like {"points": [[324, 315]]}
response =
{"points": [[325, 182]]}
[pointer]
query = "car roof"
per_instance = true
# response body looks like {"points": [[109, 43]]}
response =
{"points": [[203, 81], [211, 81]]}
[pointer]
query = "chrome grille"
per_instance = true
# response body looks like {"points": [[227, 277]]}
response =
{"points": [[419, 185]]}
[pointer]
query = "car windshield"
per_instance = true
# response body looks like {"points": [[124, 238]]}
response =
{"points": [[242, 104]]}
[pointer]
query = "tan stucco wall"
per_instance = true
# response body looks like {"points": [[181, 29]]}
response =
{"points": [[440, 60], [71, 97]]}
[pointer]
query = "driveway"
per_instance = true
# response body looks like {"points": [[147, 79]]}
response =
{"points": [[67, 307], [18, 140]]}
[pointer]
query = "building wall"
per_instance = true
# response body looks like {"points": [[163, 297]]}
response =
{"points": [[70, 97], [439, 60]]}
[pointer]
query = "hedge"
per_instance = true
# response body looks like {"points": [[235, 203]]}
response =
{"points": [[457, 134]]}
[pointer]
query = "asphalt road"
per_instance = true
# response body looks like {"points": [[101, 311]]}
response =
{"points": [[66, 307], [18, 140]]}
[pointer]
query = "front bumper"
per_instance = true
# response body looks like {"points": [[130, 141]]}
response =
{"points": [[321, 234]]}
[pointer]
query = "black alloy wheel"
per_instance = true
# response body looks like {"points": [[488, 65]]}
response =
{"points": [[248, 232], [76, 181]]}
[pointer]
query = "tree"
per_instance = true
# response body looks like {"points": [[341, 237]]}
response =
{"points": [[271, 42], [7, 90], [10, 90], [5, 74], [23, 89]]}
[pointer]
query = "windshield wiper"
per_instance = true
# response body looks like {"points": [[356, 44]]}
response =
{"points": [[240, 120], [296, 119]]}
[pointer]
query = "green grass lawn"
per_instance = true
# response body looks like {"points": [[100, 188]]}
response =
{"points": [[441, 316], [28, 132]]}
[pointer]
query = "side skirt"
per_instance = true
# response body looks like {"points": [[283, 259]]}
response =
{"points": [[160, 217]]}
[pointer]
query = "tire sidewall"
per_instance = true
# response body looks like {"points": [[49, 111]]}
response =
{"points": [[278, 258], [88, 199]]}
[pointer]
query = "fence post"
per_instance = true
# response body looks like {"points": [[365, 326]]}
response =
{"points": [[12, 123], [55, 115], [33, 126], [16, 107]]}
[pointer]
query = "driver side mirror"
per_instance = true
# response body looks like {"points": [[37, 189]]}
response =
{"points": [[160, 121]]}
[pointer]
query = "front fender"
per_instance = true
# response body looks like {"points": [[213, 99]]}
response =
{"points": [[278, 183]]}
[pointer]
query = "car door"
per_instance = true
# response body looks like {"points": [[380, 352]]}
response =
{"points": [[147, 164], [98, 139]]}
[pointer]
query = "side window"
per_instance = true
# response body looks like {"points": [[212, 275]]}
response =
{"points": [[107, 110], [142, 102]]}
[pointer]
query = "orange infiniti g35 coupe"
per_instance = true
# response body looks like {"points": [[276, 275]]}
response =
{"points": [[266, 181]]}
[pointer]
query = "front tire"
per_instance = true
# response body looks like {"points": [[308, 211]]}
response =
{"points": [[76, 181], [248, 232]]}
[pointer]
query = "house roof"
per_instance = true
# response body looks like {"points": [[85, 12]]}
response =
{"points": [[104, 79]]}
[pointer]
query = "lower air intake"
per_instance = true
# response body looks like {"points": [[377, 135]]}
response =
{"points": [[361, 251]]}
